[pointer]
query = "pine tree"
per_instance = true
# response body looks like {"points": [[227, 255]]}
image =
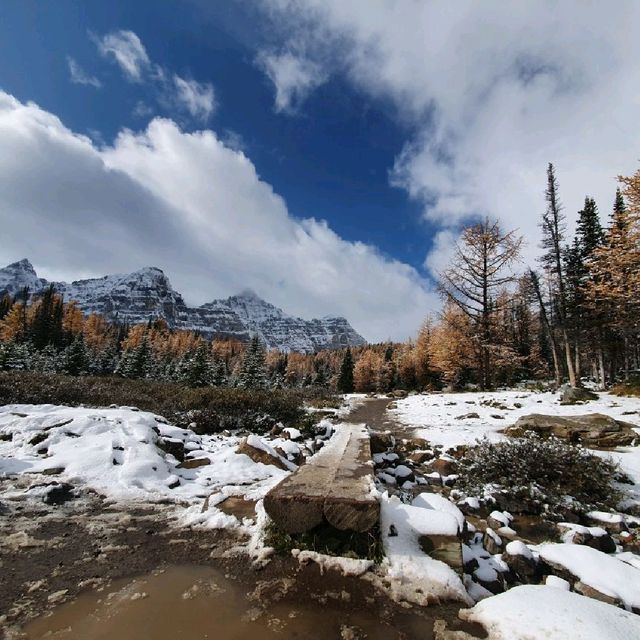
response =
{"points": [[135, 362], [615, 269], [253, 373], [195, 369], [5, 304], [76, 358], [345, 380]]}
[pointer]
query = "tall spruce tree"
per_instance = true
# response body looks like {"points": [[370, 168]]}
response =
{"points": [[253, 373], [345, 379]]}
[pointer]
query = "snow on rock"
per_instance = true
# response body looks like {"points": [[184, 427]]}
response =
{"points": [[541, 612], [605, 573], [346, 566], [518, 548], [439, 503], [416, 577], [117, 451]]}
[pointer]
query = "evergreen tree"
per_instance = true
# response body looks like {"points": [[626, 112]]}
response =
{"points": [[345, 380], [253, 373], [135, 362], [5, 304], [219, 373], [195, 369], [76, 358]]}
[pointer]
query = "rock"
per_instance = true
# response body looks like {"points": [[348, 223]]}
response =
{"points": [[194, 463], [492, 542], [497, 416], [380, 442], [172, 446], [497, 519], [573, 395], [53, 471], [595, 429], [606, 544], [38, 438], [443, 466], [399, 393], [59, 494], [590, 592], [447, 549], [469, 416], [418, 457], [612, 522], [259, 455], [522, 562]]}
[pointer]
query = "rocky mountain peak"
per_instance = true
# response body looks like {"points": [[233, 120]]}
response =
{"points": [[147, 294]]}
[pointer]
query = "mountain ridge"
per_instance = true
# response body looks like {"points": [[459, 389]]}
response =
{"points": [[147, 294]]}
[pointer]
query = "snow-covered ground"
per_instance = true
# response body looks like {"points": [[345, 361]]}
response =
{"points": [[542, 612], [444, 419], [118, 452], [441, 418]]}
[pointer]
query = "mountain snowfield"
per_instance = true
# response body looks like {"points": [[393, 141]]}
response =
{"points": [[147, 294]]}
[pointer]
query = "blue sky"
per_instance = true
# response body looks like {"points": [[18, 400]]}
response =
{"points": [[330, 160], [324, 153]]}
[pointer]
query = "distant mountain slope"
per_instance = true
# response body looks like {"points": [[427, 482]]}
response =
{"points": [[147, 294]]}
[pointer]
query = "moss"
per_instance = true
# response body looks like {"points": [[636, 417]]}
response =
{"points": [[328, 540]]}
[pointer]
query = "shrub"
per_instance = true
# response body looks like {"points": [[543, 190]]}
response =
{"points": [[540, 474], [212, 409]]}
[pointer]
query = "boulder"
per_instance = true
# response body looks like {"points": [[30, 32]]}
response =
{"points": [[173, 446], [443, 466], [595, 429], [260, 455], [419, 457], [469, 416], [59, 494], [573, 395], [492, 542], [380, 442]]}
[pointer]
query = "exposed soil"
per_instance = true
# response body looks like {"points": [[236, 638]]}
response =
{"points": [[51, 553]]}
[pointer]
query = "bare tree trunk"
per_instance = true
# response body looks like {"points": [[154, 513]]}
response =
{"points": [[603, 382], [545, 321]]}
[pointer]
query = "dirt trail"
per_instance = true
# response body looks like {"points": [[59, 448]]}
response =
{"points": [[373, 412]]}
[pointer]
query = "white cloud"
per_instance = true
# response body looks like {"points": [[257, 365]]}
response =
{"points": [[127, 50], [172, 91], [493, 96], [197, 98], [189, 204], [78, 75], [294, 78]]}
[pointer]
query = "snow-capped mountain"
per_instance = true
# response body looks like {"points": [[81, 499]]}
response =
{"points": [[147, 294]]}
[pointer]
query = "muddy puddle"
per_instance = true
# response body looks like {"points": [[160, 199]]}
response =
{"points": [[199, 602]]}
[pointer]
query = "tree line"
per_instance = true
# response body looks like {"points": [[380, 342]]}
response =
{"points": [[573, 315]]}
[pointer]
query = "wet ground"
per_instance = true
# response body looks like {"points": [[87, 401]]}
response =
{"points": [[373, 413], [197, 602], [196, 585]]}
